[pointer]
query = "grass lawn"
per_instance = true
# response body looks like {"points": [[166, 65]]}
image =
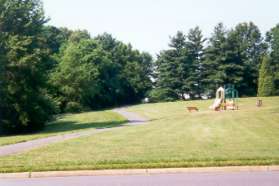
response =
{"points": [[69, 123], [173, 138]]}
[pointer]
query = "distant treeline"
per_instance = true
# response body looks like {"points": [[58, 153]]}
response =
{"points": [[197, 66], [47, 70]]}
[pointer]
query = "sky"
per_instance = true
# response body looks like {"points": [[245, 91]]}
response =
{"points": [[148, 24]]}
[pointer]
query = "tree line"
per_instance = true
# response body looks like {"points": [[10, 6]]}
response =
{"points": [[197, 66], [45, 70]]}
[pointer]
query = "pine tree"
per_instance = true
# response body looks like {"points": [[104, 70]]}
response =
{"points": [[266, 83], [236, 56], [214, 58], [172, 66], [195, 50]]}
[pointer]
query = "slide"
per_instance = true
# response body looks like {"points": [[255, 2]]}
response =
{"points": [[216, 104]]}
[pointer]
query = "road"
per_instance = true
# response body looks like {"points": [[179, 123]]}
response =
{"points": [[265, 178]]}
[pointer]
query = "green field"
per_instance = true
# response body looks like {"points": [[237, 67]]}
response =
{"points": [[172, 138], [69, 123]]}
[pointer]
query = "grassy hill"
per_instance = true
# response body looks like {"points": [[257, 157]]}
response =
{"points": [[172, 138], [69, 123]]}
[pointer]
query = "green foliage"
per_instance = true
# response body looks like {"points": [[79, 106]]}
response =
{"points": [[180, 69], [273, 42], [77, 36], [100, 72], [266, 83], [73, 107], [214, 57], [46, 70], [127, 79], [55, 37], [25, 105], [157, 95], [75, 77], [172, 70], [231, 57], [195, 47], [3, 82], [249, 50]]}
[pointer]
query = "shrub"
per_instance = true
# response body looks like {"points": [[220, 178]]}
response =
{"points": [[73, 107], [159, 94], [266, 80]]}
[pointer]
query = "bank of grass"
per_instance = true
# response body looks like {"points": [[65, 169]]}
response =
{"points": [[69, 123], [173, 138]]}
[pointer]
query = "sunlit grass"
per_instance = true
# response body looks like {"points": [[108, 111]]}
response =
{"points": [[69, 123], [172, 138]]}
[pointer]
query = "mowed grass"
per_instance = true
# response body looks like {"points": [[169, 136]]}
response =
{"points": [[69, 123], [172, 138]]}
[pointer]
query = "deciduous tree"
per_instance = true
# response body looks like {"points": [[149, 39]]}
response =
{"points": [[25, 105]]}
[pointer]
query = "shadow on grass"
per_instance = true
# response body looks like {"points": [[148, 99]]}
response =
{"points": [[68, 126], [65, 126]]}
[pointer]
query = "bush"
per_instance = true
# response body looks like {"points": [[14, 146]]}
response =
{"points": [[73, 107], [157, 95], [28, 116]]}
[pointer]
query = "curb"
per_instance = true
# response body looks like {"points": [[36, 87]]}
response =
{"points": [[117, 172]]}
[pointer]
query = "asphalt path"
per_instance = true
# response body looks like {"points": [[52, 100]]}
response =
{"points": [[133, 119], [29, 145], [264, 178]]}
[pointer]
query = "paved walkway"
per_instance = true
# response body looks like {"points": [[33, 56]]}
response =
{"points": [[262, 178], [133, 119], [28, 145]]}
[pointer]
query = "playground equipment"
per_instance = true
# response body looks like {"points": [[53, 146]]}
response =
{"points": [[220, 97], [226, 98]]}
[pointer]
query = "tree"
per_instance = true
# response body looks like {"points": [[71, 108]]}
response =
{"points": [[25, 105], [214, 58], [272, 38], [138, 73], [233, 57], [130, 71], [99, 72], [172, 66], [3, 89], [180, 69], [250, 47], [76, 75], [55, 37], [266, 83], [195, 50]]}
